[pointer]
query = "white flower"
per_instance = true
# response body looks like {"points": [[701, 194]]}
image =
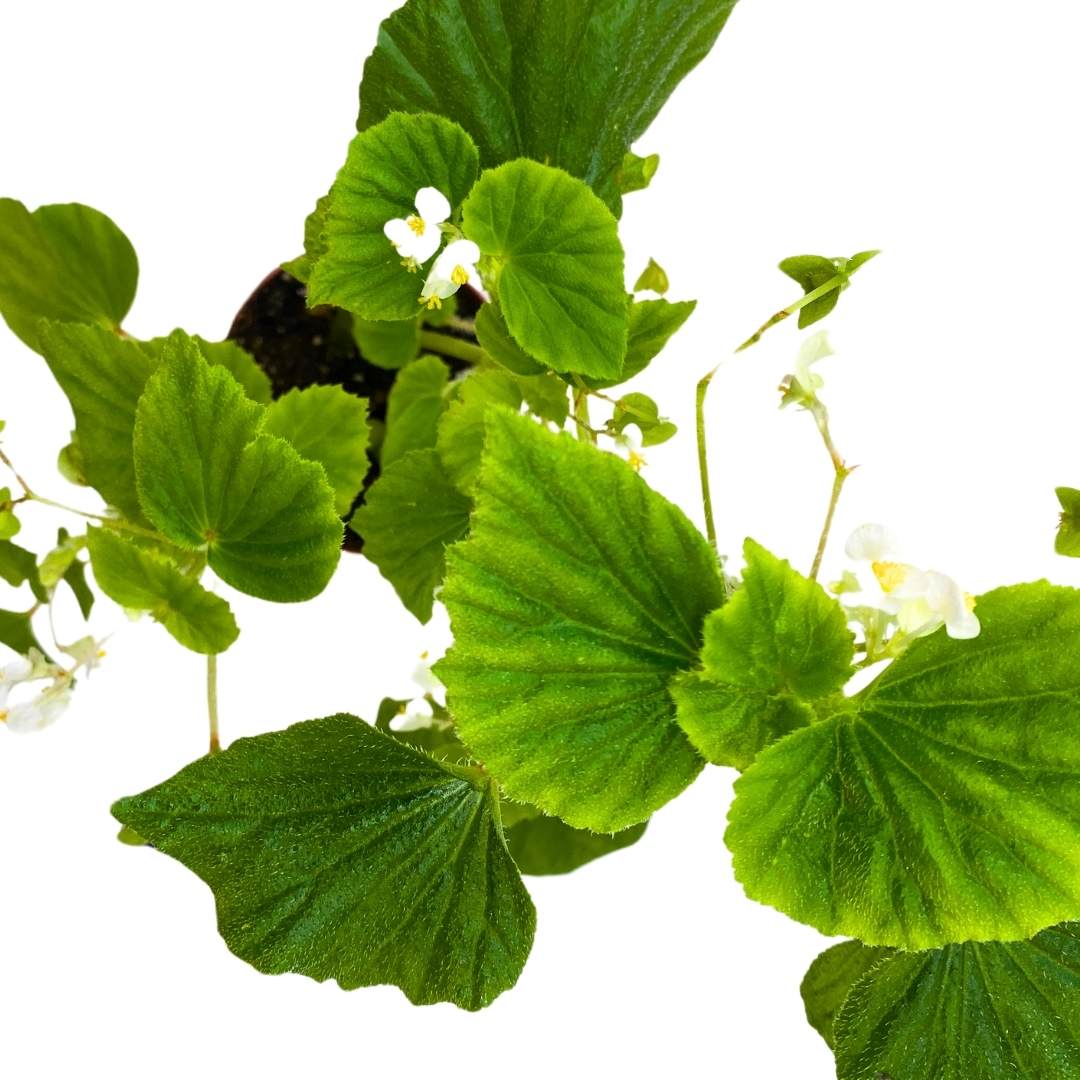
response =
{"points": [[630, 444], [38, 713], [11, 674], [803, 385], [455, 266], [921, 600], [418, 236], [87, 653]]}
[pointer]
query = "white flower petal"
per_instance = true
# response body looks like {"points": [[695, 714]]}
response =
{"points": [[399, 233], [433, 206], [38, 714], [870, 543], [965, 627], [816, 347]]}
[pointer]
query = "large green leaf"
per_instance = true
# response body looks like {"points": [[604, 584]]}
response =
{"points": [[66, 262], [652, 324], [360, 270], [559, 265], [328, 425], [417, 401], [209, 478], [336, 852], [572, 83], [543, 845], [941, 804], [412, 512], [578, 596], [967, 1012], [780, 644], [227, 354], [142, 580], [830, 978]]}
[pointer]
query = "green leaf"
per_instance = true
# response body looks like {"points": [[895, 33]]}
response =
{"points": [[387, 165], [968, 1012], [335, 852], [573, 83], [65, 262], [496, 341], [17, 565], [239, 363], [314, 242], [780, 644], [389, 345], [328, 425], [652, 323], [412, 512], [831, 977], [641, 411], [942, 803], [543, 845], [813, 271], [56, 563], [417, 401], [578, 596], [141, 580], [75, 579], [559, 265], [208, 478], [546, 397], [17, 633], [460, 439], [652, 279], [636, 173], [1068, 537]]}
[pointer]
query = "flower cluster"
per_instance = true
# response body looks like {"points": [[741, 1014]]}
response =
{"points": [[48, 703], [419, 236]]}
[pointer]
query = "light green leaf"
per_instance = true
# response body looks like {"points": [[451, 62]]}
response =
{"points": [[831, 977], [652, 324], [418, 399], [412, 512], [652, 279], [559, 265], [942, 803], [546, 397], [387, 165], [813, 271], [578, 596], [496, 341], [573, 83], [314, 243], [543, 845], [328, 425], [208, 478], [460, 438], [1068, 536], [227, 354], [335, 852], [56, 563], [968, 1012], [66, 262], [636, 172], [643, 413], [141, 580], [780, 644], [389, 345]]}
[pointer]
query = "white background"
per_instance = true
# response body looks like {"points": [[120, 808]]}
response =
{"points": [[942, 133]]}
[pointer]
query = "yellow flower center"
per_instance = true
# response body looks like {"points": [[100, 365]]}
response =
{"points": [[432, 303], [890, 575], [416, 223], [460, 276], [635, 460], [969, 601]]}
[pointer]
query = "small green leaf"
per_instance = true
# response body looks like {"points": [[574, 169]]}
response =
{"points": [[652, 279], [65, 262], [412, 512], [652, 324], [387, 165], [417, 401], [543, 845], [56, 563], [389, 345], [546, 397], [813, 271], [831, 977], [75, 579], [69, 463], [641, 411], [979, 1011], [496, 341], [559, 265], [636, 173], [1068, 537], [328, 425], [239, 363], [141, 580], [338, 853], [578, 596], [208, 478], [780, 644], [314, 242], [16, 632], [460, 439], [17, 565], [942, 803]]}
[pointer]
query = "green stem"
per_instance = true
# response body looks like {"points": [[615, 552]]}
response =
{"points": [[448, 345], [836, 282], [841, 472], [703, 457], [212, 702], [585, 431]]}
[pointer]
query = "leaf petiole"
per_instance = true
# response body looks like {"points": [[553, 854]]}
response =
{"points": [[838, 282]]}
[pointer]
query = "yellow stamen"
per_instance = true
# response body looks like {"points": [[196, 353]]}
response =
{"points": [[416, 223], [460, 276], [3, 716], [969, 601], [635, 460], [432, 303], [890, 575]]}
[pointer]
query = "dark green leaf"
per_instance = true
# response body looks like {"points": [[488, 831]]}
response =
{"points": [[942, 803], [75, 579], [572, 83], [141, 580], [410, 515], [496, 341], [967, 1012], [544, 845], [831, 977], [17, 633], [335, 852], [780, 644], [65, 262], [578, 596], [1068, 537], [559, 265], [17, 565], [208, 478], [417, 401], [814, 271], [387, 165]]}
